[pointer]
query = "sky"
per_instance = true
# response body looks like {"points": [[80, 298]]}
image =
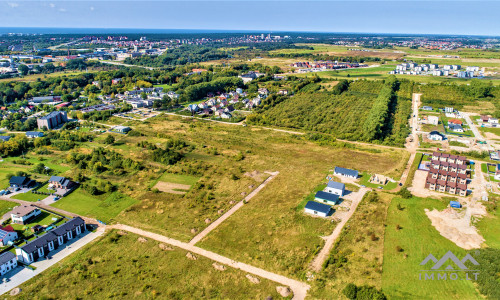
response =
{"points": [[413, 17]]}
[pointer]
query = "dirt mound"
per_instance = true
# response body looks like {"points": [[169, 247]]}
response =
{"points": [[284, 291], [165, 247], [191, 256], [194, 230], [15, 291], [255, 175], [219, 267], [171, 188], [142, 240], [208, 221], [121, 232], [456, 226], [253, 279]]}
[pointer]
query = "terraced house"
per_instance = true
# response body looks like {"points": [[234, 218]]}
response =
{"points": [[43, 245]]}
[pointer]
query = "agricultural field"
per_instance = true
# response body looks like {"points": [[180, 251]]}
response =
{"points": [[104, 270], [6, 206], [407, 223]]}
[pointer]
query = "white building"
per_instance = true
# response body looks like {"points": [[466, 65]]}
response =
{"points": [[22, 214], [335, 188], [7, 236], [8, 262], [435, 136], [433, 120]]}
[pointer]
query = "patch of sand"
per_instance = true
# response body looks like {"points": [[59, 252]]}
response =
{"points": [[256, 175], [490, 135], [456, 226], [169, 187]]}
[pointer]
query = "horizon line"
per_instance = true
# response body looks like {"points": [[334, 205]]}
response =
{"points": [[239, 31]]}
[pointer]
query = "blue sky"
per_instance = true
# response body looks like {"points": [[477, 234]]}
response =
{"points": [[431, 17]]}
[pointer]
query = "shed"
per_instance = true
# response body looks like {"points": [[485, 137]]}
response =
{"points": [[317, 209], [327, 198]]}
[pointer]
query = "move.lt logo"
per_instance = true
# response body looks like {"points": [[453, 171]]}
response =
{"points": [[449, 272]]}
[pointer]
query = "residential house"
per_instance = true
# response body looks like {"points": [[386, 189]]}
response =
{"points": [[121, 129], [334, 187], [427, 107], [116, 81], [493, 121], [455, 121], [8, 262], [433, 120], [23, 214], [4, 138], [20, 182], [7, 234], [317, 209], [43, 245], [33, 134], [378, 179], [58, 182], [436, 136], [346, 172], [328, 198], [455, 128]]}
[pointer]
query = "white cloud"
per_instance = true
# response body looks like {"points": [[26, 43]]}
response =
{"points": [[52, 5], [62, 9], [92, 8], [12, 4]]}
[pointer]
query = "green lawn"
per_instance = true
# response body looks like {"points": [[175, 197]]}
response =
{"points": [[43, 219], [365, 180], [418, 238], [310, 197], [6, 206], [179, 178], [121, 267], [104, 207], [29, 196], [495, 131], [488, 227]]}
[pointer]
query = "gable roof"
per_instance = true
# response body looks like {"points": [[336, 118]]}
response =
{"points": [[6, 257], [318, 207], [68, 226], [4, 233], [345, 171], [18, 180], [39, 242], [335, 185], [327, 196], [5, 138], [61, 180]]}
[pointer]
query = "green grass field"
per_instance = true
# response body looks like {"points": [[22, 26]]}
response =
{"points": [[6, 206], [106, 269], [488, 228], [104, 207], [179, 178], [418, 238], [29, 196]]}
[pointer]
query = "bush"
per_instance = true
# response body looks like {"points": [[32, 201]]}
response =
{"points": [[350, 291], [365, 292], [405, 193]]}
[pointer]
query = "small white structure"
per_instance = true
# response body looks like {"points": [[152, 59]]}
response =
{"points": [[317, 209], [493, 121], [436, 136]]}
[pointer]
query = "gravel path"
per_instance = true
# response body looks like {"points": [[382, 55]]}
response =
{"points": [[299, 288], [217, 222]]}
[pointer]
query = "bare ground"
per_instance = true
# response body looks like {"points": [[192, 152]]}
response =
{"points": [[169, 187]]}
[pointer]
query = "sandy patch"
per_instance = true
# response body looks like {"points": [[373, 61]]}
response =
{"points": [[456, 226], [490, 135], [256, 175], [418, 186], [169, 187]]}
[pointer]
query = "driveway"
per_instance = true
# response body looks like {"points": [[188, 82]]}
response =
{"points": [[21, 274]]}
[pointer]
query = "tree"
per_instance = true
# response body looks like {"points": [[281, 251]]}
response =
{"points": [[350, 291], [23, 70], [109, 139]]}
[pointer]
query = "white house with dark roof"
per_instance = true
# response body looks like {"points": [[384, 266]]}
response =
{"points": [[24, 213], [43, 245], [346, 172], [335, 188], [317, 209], [7, 236], [8, 262]]}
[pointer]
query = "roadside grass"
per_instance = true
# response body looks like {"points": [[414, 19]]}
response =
{"points": [[417, 238], [357, 255], [268, 231], [495, 131], [6, 206], [103, 207], [120, 266], [413, 168], [365, 180]]}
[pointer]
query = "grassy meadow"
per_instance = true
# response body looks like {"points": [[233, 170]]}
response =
{"points": [[417, 238], [104, 269]]}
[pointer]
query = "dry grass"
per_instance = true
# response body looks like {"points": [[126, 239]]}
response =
{"points": [[169, 187]]}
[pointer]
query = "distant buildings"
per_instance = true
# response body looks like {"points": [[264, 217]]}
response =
{"points": [[33, 134], [52, 120], [434, 70]]}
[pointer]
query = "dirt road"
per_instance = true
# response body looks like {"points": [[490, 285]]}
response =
{"points": [[318, 261], [217, 222], [299, 288]]}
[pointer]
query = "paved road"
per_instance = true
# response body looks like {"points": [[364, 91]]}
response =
{"points": [[217, 222], [125, 65], [472, 126], [299, 288], [318, 261], [21, 274]]}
